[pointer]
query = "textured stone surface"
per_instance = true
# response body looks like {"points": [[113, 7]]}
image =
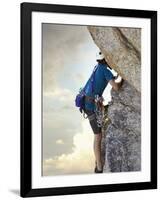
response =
{"points": [[122, 139], [121, 47]]}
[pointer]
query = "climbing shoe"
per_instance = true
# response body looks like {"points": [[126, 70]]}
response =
{"points": [[96, 170]]}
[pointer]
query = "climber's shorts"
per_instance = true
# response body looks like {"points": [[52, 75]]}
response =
{"points": [[93, 121]]}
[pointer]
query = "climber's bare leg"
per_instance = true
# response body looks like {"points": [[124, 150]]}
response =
{"points": [[97, 150]]}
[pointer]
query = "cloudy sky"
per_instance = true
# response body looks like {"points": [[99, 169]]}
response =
{"points": [[68, 60]]}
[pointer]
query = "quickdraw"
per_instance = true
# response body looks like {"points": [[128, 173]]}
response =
{"points": [[99, 110]]}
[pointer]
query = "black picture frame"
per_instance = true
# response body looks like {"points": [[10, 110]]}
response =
{"points": [[26, 189]]}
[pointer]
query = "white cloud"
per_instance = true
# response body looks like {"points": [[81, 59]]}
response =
{"points": [[81, 160], [59, 141], [62, 94]]}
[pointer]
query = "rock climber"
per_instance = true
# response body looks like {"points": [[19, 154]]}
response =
{"points": [[93, 89]]}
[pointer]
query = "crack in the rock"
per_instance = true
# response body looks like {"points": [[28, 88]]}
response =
{"points": [[127, 43]]}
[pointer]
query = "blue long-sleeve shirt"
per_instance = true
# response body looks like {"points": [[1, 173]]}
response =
{"points": [[101, 78]]}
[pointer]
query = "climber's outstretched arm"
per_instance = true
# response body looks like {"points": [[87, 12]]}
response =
{"points": [[116, 85]]}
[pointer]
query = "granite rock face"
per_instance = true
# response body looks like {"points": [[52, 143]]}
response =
{"points": [[122, 140], [121, 47], [123, 134]]}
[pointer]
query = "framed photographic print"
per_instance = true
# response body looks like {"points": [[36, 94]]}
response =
{"points": [[88, 99]]}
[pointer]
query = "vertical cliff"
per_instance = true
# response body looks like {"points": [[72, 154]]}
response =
{"points": [[122, 141]]}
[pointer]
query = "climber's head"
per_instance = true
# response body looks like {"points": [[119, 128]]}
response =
{"points": [[100, 58]]}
